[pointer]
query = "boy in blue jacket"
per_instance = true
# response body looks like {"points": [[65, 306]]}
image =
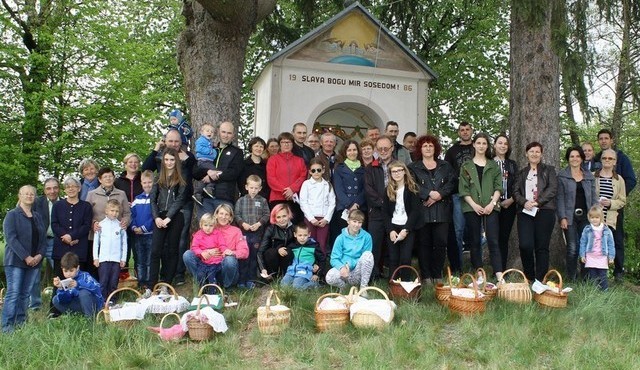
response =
{"points": [[308, 260], [351, 257], [81, 293], [142, 227]]}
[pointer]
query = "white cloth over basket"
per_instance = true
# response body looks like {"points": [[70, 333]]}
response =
{"points": [[165, 303], [207, 315], [128, 311], [381, 307], [329, 304], [408, 286], [465, 293]]}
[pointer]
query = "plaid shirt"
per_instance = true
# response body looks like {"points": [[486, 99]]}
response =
{"points": [[252, 210]]}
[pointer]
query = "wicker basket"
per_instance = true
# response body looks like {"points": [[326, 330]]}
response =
{"points": [[327, 320], [130, 282], [176, 304], [369, 319], [272, 321], [199, 330], [163, 328], [396, 290], [549, 298], [105, 310], [464, 305], [489, 294], [218, 307], [443, 292], [514, 292]]}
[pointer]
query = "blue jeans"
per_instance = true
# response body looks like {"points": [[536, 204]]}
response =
{"points": [[19, 283], [227, 274], [185, 236], [599, 276], [300, 283], [572, 235], [109, 272], [143, 258], [35, 296], [85, 304], [454, 248]]}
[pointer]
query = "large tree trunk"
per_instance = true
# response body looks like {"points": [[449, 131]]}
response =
{"points": [[535, 96], [624, 69], [211, 55]]}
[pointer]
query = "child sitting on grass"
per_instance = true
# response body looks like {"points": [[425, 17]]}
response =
{"points": [[208, 245], [308, 259], [597, 248], [351, 257], [80, 294]]}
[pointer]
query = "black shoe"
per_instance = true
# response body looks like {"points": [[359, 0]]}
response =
{"points": [[179, 280]]}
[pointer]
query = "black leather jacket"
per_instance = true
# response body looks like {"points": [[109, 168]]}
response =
{"points": [[274, 237], [166, 202], [444, 181], [547, 187]]}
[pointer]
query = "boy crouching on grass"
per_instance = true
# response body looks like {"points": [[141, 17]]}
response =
{"points": [[79, 291], [351, 257]]}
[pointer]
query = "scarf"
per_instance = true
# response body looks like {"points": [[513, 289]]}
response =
{"points": [[352, 165]]}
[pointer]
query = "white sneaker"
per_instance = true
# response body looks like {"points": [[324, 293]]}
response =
{"points": [[147, 293]]}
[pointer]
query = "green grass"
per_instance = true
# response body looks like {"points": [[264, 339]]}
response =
{"points": [[597, 330]]}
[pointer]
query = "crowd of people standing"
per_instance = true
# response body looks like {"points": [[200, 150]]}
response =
{"points": [[294, 207]]}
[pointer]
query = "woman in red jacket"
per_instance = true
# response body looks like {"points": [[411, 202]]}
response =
{"points": [[285, 175]]}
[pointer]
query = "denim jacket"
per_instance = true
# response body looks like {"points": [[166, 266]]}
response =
{"points": [[586, 242]]}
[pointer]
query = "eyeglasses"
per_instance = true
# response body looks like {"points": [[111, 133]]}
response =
{"points": [[399, 170], [608, 158], [315, 170], [283, 142], [384, 148]]}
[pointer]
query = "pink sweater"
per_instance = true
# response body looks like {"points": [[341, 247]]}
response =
{"points": [[202, 242], [234, 241]]}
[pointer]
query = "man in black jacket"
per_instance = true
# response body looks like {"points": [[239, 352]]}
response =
{"points": [[299, 148], [376, 178], [229, 165], [43, 206]]}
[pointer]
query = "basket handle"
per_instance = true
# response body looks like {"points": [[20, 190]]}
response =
{"points": [[104, 315], [449, 275], [475, 283], [200, 303], [271, 292], [376, 289], [173, 291], [106, 303], [514, 270], [208, 285], [547, 275], [167, 315], [484, 276], [325, 296], [404, 267]]}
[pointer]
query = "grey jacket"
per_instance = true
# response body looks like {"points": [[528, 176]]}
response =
{"points": [[17, 233], [566, 199]]}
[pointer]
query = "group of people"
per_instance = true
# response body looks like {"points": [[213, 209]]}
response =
{"points": [[307, 213]]}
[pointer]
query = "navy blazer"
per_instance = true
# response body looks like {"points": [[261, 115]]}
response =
{"points": [[349, 187], [75, 220], [18, 234]]}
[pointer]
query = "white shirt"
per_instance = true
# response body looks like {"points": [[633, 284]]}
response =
{"points": [[317, 199], [400, 216]]}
